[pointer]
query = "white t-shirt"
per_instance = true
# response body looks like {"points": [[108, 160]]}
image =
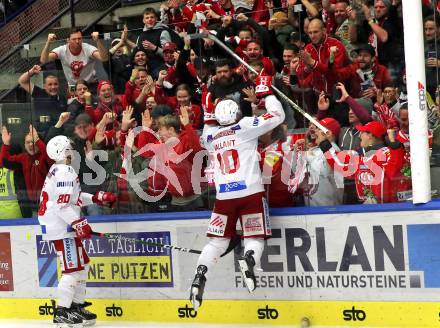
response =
{"points": [[326, 184], [237, 170], [60, 202], [77, 67]]}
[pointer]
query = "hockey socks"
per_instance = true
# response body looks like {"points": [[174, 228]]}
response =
{"points": [[198, 286], [247, 264]]}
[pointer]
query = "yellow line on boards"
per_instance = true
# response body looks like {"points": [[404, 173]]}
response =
{"points": [[322, 313]]}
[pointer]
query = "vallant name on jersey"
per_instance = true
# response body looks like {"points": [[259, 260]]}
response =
{"points": [[224, 144]]}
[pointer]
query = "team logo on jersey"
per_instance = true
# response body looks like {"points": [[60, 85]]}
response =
{"points": [[256, 121], [253, 224], [365, 176], [236, 127], [76, 66], [217, 224], [232, 186]]}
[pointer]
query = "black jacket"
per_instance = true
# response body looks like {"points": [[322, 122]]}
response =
{"points": [[233, 91]]}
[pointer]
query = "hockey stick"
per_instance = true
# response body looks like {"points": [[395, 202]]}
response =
{"points": [[232, 244], [143, 242], [250, 68]]}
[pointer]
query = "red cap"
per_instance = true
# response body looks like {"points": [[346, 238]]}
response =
{"points": [[102, 83], [169, 46], [331, 124], [373, 127]]}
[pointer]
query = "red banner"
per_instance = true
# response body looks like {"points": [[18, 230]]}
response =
{"points": [[6, 278]]}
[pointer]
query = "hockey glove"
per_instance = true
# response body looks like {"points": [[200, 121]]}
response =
{"points": [[104, 198], [82, 228], [208, 109]]}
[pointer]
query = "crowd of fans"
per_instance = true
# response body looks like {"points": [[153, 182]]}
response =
{"points": [[342, 61]]}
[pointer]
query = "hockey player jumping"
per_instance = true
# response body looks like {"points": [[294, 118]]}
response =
{"points": [[61, 223], [238, 182]]}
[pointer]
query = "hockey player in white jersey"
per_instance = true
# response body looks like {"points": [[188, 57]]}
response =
{"points": [[239, 188], [61, 223]]}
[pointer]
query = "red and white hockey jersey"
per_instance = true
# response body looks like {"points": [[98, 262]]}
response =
{"points": [[237, 171], [60, 202]]}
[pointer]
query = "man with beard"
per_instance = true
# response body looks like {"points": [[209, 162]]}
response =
{"points": [[48, 104], [365, 75], [229, 85], [342, 31], [381, 30], [432, 52]]}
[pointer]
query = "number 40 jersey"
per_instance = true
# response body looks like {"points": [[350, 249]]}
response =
{"points": [[60, 202], [237, 171]]}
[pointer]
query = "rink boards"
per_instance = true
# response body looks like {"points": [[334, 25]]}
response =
{"points": [[369, 266]]}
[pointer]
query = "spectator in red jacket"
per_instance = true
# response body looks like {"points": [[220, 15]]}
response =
{"points": [[316, 59], [34, 161], [138, 88], [375, 169], [365, 76], [107, 103], [159, 198], [182, 99], [183, 144]]}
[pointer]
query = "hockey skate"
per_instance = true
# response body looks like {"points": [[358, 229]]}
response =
{"points": [[247, 264], [66, 318], [88, 318], [198, 287]]}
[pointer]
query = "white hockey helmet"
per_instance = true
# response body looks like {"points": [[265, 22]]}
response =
{"points": [[59, 148], [227, 112]]}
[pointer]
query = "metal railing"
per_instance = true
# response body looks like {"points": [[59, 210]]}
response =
{"points": [[7, 14], [44, 15], [31, 20]]}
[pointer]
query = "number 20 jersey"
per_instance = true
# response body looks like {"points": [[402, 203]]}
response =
{"points": [[236, 160]]}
